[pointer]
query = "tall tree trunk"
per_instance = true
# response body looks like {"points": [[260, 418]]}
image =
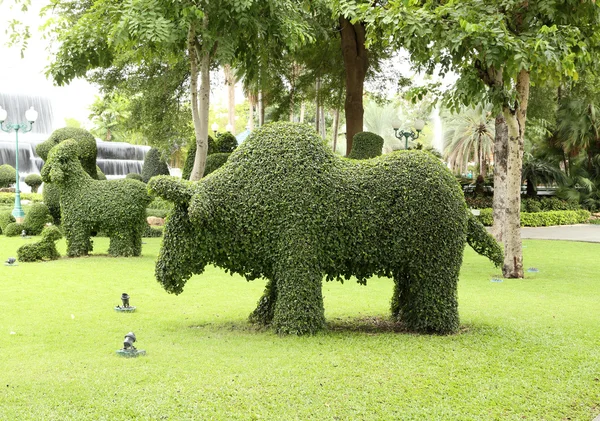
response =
{"points": [[252, 101], [515, 119], [356, 63], [500, 177], [302, 109], [230, 82], [336, 125], [261, 110], [199, 105], [322, 124], [317, 105]]}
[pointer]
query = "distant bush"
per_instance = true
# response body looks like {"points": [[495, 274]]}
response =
{"points": [[154, 164], [547, 204], [479, 202], [542, 219], [13, 229], [9, 198], [159, 213], [160, 203], [134, 176], [36, 218], [8, 175], [215, 161], [34, 181], [151, 232], [366, 145], [5, 219], [226, 142]]}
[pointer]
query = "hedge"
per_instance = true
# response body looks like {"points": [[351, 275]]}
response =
{"points": [[115, 207], [9, 198], [542, 219], [154, 164], [366, 145], [86, 153], [285, 208]]}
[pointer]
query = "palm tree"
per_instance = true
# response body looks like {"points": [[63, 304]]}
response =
{"points": [[538, 171], [579, 128], [469, 136]]}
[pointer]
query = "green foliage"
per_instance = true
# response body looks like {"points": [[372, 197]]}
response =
{"points": [[285, 208], [36, 218], [34, 181], [366, 145], [191, 155], [13, 229], [479, 202], [86, 152], [8, 175], [134, 176], [160, 203], [215, 161], [45, 249], [9, 198], [114, 207], [150, 232], [542, 219], [482, 242], [101, 175], [226, 142], [154, 164], [547, 204], [6, 218]]}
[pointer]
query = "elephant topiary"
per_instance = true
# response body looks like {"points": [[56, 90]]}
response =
{"points": [[287, 209], [114, 207]]}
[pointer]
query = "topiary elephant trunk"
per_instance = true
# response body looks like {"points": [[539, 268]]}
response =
{"points": [[286, 209]]}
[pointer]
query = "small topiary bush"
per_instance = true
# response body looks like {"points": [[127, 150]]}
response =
{"points": [[366, 145], [45, 249], [114, 207], [134, 176], [191, 156], [36, 218], [34, 181], [285, 208], [214, 162], [226, 143], [86, 151], [8, 175], [13, 229], [6, 218], [154, 164]]}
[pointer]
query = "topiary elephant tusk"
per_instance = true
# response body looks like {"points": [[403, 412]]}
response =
{"points": [[287, 209]]}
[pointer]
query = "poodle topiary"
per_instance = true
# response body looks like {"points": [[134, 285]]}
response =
{"points": [[45, 249], [114, 207]]}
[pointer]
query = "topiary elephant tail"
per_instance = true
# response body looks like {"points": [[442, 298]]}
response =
{"points": [[483, 242]]}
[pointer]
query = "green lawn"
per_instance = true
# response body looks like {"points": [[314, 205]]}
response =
{"points": [[528, 349]]}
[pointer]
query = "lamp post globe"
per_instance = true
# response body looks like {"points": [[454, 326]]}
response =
{"points": [[214, 128], [407, 134], [31, 116]]}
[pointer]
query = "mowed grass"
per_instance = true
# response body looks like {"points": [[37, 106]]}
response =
{"points": [[527, 349]]}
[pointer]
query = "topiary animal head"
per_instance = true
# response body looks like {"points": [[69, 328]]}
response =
{"points": [[86, 145], [60, 162], [51, 233]]}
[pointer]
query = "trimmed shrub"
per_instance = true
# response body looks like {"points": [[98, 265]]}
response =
{"points": [[13, 229], [154, 164], [366, 145], [9, 198], [191, 156], [86, 153], [114, 207], [226, 143], [34, 181], [547, 204], [285, 208], [6, 218], [45, 249], [542, 219], [8, 175], [36, 218], [134, 176], [101, 175], [214, 162]]}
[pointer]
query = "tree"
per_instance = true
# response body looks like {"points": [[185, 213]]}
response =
{"points": [[94, 34], [496, 47]]}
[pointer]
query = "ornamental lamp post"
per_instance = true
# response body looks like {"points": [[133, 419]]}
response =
{"points": [[31, 115], [399, 133], [214, 128]]}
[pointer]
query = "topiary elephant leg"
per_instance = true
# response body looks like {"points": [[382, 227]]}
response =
{"points": [[263, 313], [78, 238], [400, 283], [426, 301], [299, 305]]}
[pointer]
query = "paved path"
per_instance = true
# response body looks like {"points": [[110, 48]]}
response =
{"points": [[582, 232]]}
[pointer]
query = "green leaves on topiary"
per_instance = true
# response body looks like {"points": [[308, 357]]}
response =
{"points": [[214, 162], [134, 176], [114, 207], [154, 164], [34, 181], [285, 208], [8, 175], [6, 218], [366, 145], [45, 249], [13, 229], [36, 218], [226, 142]]}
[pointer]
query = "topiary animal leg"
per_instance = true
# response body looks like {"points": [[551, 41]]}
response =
{"points": [[263, 313], [78, 239]]}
